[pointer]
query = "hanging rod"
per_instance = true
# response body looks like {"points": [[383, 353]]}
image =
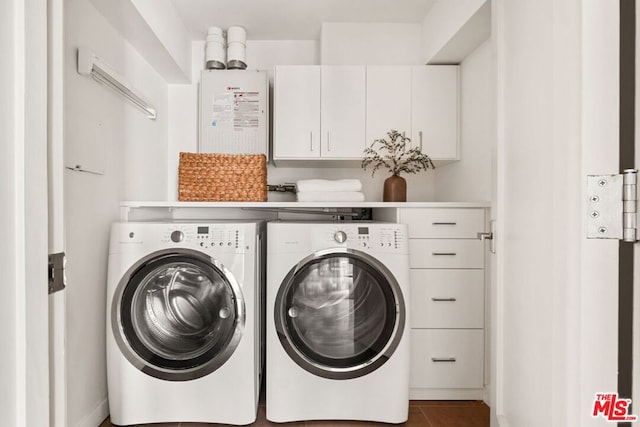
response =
{"points": [[92, 66]]}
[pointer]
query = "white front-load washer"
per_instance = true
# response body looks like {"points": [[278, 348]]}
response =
{"points": [[183, 322], [337, 322]]}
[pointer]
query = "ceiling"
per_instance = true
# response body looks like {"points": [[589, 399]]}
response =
{"points": [[293, 19]]}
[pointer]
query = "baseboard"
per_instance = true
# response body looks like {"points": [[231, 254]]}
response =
{"points": [[97, 416], [486, 395], [502, 421], [445, 394]]}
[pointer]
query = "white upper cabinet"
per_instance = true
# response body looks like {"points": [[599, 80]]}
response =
{"points": [[342, 102], [388, 101], [434, 110], [319, 113], [332, 113], [296, 104]]}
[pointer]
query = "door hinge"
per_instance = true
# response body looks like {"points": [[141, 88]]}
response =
{"points": [[57, 277], [612, 207]]}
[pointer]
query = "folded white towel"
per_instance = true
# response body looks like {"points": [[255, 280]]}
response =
{"points": [[329, 185], [330, 196]]}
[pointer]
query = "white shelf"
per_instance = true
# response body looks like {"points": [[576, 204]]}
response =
{"points": [[303, 205]]}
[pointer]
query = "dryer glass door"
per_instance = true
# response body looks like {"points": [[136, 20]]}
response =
{"points": [[340, 315], [179, 316]]}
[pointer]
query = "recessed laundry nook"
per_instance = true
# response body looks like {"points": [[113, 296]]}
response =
{"points": [[300, 121]]}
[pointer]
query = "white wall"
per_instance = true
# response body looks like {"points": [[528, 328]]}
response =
{"points": [[166, 24], [470, 178], [526, 260], [441, 24], [264, 55], [370, 44], [8, 253], [131, 151]]}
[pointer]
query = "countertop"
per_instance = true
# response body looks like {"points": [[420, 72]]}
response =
{"points": [[301, 205]]}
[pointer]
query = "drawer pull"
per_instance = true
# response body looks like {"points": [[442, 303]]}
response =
{"points": [[450, 299], [443, 253], [444, 223], [443, 359]]}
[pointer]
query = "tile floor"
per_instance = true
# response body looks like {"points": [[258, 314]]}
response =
{"points": [[422, 413]]}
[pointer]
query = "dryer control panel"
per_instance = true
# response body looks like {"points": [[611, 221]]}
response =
{"points": [[374, 237]]}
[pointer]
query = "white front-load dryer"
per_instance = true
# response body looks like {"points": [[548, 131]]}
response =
{"points": [[337, 322], [183, 322]]}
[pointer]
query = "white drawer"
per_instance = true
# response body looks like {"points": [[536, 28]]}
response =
{"points": [[445, 253], [443, 223], [447, 299], [447, 358]]}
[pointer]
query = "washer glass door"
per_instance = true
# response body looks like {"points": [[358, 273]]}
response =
{"points": [[178, 316], [340, 314]]}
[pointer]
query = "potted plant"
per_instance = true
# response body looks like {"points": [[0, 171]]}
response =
{"points": [[393, 154]]}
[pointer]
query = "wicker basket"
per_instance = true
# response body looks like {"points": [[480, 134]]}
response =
{"points": [[222, 178]]}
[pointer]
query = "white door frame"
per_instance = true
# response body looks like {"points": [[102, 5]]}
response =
{"points": [[24, 364], [636, 262], [550, 363], [57, 301]]}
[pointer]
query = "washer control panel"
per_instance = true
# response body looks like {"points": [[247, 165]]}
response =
{"points": [[340, 236], [177, 236], [375, 236], [212, 236]]}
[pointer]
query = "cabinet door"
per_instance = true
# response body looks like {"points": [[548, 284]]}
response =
{"points": [[448, 298], [343, 111], [434, 110], [447, 358], [443, 223], [446, 253], [388, 101], [296, 119]]}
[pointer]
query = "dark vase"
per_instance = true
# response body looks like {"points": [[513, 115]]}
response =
{"points": [[395, 189]]}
